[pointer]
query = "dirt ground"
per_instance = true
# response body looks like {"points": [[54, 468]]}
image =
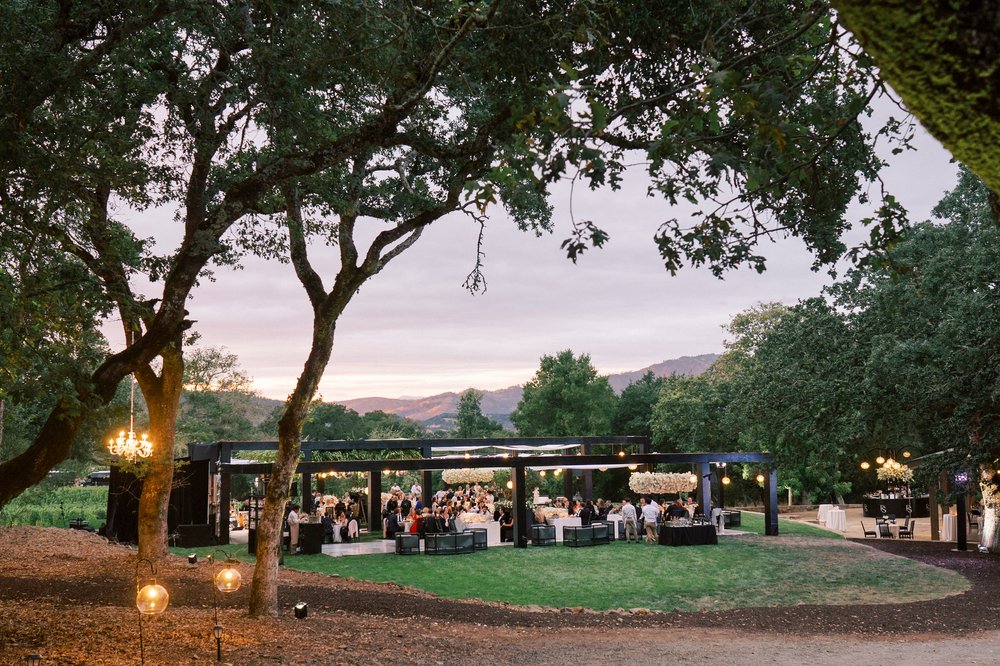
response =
{"points": [[68, 595]]}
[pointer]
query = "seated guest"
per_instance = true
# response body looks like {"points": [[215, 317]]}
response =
{"points": [[602, 509], [394, 524], [587, 513], [422, 523], [327, 522], [353, 530], [506, 525], [677, 510]]}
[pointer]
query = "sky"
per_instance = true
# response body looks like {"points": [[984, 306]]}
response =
{"points": [[414, 331]]}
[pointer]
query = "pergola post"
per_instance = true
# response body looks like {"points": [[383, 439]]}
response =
{"points": [[225, 494], [307, 504], [522, 524], [588, 477], [426, 479], [962, 542], [771, 503], [933, 506], [568, 483], [705, 489], [374, 501]]}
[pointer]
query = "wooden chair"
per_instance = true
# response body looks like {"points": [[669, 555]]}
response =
{"points": [[869, 534], [906, 531], [883, 531], [973, 521]]}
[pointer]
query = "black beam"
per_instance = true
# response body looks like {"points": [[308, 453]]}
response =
{"points": [[307, 503], [375, 503], [413, 444], [522, 523], [771, 503], [705, 489], [962, 542]]}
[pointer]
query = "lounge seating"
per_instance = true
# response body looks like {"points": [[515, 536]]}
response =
{"points": [[869, 534], [543, 535], [611, 528], [407, 544], [732, 518], [480, 538], [591, 535], [457, 543]]}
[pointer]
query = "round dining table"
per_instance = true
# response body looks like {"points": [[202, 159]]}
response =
{"points": [[836, 519]]}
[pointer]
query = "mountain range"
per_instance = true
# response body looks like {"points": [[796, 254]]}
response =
{"points": [[437, 412]]}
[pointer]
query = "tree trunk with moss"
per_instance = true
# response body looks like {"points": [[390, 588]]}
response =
{"points": [[942, 58]]}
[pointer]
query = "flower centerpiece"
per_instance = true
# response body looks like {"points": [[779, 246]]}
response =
{"points": [[657, 483], [899, 475], [554, 512], [465, 475], [472, 518]]}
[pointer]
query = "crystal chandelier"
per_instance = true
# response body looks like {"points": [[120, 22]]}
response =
{"points": [[127, 445]]}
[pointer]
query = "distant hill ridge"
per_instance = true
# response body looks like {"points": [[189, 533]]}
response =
{"points": [[435, 410]]}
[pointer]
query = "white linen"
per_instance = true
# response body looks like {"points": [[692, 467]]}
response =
{"points": [[823, 510], [948, 530], [836, 519], [492, 528], [560, 523]]}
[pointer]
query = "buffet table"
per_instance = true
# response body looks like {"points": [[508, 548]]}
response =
{"points": [[560, 523], [694, 535]]}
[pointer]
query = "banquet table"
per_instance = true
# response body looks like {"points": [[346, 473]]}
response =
{"points": [[492, 528], [693, 535], [948, 530], [619, 526], [836, 519], [824, 509], [560, 523]]}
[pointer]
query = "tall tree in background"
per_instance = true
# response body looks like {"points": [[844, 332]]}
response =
{"points": [[634, 411], [471, 422], [565, 397]]}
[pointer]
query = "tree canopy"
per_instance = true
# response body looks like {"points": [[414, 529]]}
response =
{"points": [[565, 397]]}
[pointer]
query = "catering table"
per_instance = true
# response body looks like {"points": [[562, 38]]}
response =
{"points": [[948, 528], [836, 519], [823, 510], [560, 523], [901, 507], [694, 535]]}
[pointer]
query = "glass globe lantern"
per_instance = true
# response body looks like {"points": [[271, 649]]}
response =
{"points": [[152, 599], [228, 578], [880, 460], [760, 478], [866, 465], [725, 481]]}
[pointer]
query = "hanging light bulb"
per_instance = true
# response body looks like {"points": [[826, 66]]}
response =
{"points": [[621, 454], [633, 467], [725, 480], [879, 460], [760, 478], [558, 472], [510, 485], [865, 465], [128, 446], [541, 473]]}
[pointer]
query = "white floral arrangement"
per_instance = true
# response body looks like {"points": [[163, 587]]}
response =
{"points": [[454, 476], [553, 512], [893, 475], [471, 518], [658, 483]]}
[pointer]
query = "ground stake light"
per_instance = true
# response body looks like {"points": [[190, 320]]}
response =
{"points": [[33, 659], [226, 580], [150, 599]]}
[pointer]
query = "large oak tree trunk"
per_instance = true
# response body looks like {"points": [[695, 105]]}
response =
{"points": [[264, 588], [162, 396]]}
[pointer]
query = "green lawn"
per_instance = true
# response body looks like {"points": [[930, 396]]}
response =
{"points": [[739, 572], [754, 522]]}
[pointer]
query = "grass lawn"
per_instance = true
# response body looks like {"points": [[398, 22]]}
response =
{"points": [[740, 572]]}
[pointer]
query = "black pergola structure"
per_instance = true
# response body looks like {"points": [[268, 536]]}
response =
{"points": [[517, 461]]}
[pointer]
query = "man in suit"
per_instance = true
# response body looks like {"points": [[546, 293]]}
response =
{"points": [[394, 524], [587, 513]]}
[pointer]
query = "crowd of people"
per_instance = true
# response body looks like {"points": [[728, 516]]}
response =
{"points": [[405, 511]]}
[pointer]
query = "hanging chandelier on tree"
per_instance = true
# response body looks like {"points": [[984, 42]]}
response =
{"points": [[127, 445]]}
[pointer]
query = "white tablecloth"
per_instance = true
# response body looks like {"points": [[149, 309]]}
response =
{"points": [[618, 526], [948, 532], [492, 528], [823, 510], [560, 523], [836, 519]]}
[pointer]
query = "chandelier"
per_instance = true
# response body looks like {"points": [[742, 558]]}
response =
{"points": [[127, 445]]}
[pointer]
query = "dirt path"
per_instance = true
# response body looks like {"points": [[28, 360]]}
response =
{"points": [[68, 595]]}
